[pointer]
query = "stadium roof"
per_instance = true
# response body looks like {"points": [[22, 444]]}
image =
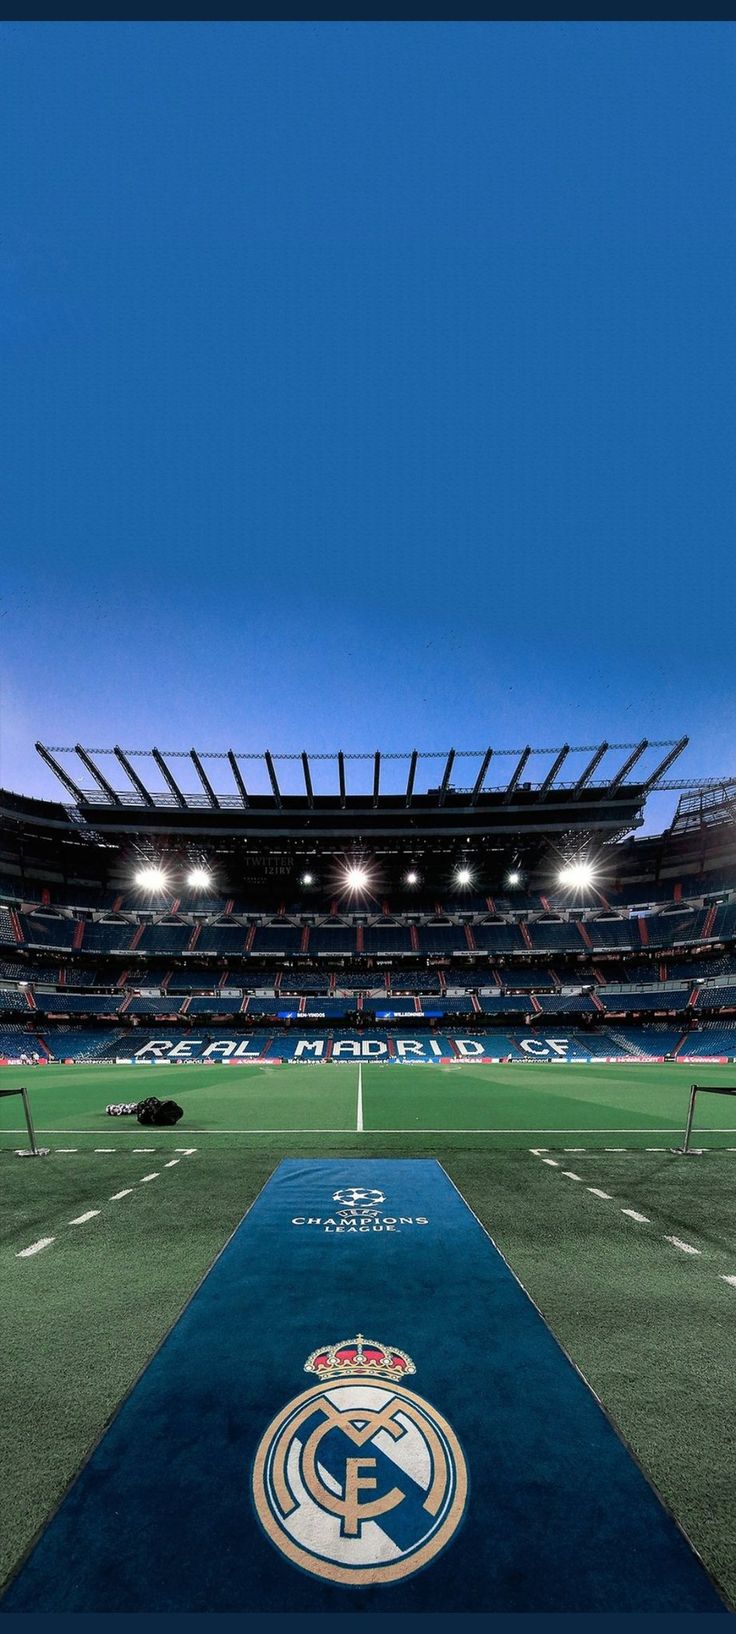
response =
{"points": [[599, 787]]}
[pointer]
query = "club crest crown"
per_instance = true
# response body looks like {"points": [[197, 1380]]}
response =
{"points": [[359, 1358]]}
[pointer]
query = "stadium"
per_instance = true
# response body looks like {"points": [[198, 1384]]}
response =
{"points": [[278, 931]]}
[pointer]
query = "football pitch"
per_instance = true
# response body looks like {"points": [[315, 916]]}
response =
{"points": [[628, 1250]]}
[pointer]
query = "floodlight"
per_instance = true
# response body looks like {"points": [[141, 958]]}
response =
{"points": [[151, 878], [463, 876], [513, 879], [307, 879], [577, 873], [356, 879], [412, 878], [199, 878]]}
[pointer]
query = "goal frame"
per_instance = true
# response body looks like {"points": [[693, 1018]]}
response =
{"points": [[686, 1150], [35, 1150]]}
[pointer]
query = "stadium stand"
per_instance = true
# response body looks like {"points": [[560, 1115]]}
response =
{"points": [[333, 940], [549, 935], [645, 998], [67, 1004], [227, 939], [495, 936], [168, 938], [387, 939], [612, 933], [276, 939], [47, 931], [566, 1004], [12, 999], [108, 936]]}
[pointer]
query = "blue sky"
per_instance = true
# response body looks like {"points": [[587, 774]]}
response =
{"points": [[367, 386]]}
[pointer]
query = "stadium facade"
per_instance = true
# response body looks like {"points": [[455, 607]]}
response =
{"points": [[476, 905]]}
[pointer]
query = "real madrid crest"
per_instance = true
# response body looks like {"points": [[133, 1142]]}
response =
{"points": [[359, 1480]]}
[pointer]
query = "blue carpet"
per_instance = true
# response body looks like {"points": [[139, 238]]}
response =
{"points": [[459, 1463]]}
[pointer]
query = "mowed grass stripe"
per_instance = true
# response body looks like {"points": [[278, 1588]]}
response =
{"points": [[68, 1099], [598, 1102]]}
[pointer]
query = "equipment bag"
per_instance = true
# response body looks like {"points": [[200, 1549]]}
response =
{"points": [[158, 1112]]}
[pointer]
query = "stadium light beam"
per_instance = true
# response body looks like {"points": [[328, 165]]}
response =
{"points": [[513, 879], [412, 877], [356, 879], [152, 878], [463, 876], [199, 878], [307, 879], [577, 873]]}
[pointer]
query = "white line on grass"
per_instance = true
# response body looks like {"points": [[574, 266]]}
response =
{"points": [[104, 1148], [172, 1162], [146, 1177], [144, 1148], [634, 1215], [359, 1108], [732, 1280], [468, 1129], [117, 1194], [67, 1149], [35, 1248], [569, 1174], [685, 1248], [81, 1218], [596, 1190], [551, 1162]]}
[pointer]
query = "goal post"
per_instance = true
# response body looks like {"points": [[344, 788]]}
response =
{"points": [[686, 1150], [33, 1150]]}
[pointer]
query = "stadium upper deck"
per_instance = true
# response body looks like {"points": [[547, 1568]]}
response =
{"points": [[530, 898]]}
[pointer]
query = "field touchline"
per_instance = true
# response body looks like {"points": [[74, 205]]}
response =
{"points": [[359, 1110]]}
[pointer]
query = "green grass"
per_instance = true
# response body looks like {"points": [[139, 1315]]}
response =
{"points": [[651, 1328], [503, 1104]]}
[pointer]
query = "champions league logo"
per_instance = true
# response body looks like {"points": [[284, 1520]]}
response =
{"points": [[358, 1210], [358, 1479]]}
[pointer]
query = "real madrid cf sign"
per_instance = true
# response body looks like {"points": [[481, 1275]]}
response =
{"points": [[358, 1479]]}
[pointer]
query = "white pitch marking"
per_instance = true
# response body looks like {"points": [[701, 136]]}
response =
{"points": [[172, 1162], [67, 1148], [81, 1218], [685, 1248], [413, 1130], [186, 1151], [118, 1194], [596, 1190], [35, 1248], [570, 1176], [146, 1177], [614, 1148], [144, 1148], [732, 1280], [537, 1151], [655, 1148], [359, 1108], [553, 1164], [634, 1215], [573, 1148], [104, 1148]]}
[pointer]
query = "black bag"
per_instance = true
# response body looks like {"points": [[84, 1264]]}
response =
{"points": [[158, 1112]]}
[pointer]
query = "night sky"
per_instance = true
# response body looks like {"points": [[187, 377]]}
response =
{"points": [[367, 386]]}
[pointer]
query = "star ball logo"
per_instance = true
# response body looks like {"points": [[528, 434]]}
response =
{"points": [[358, 1210], [359, 1479]]}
